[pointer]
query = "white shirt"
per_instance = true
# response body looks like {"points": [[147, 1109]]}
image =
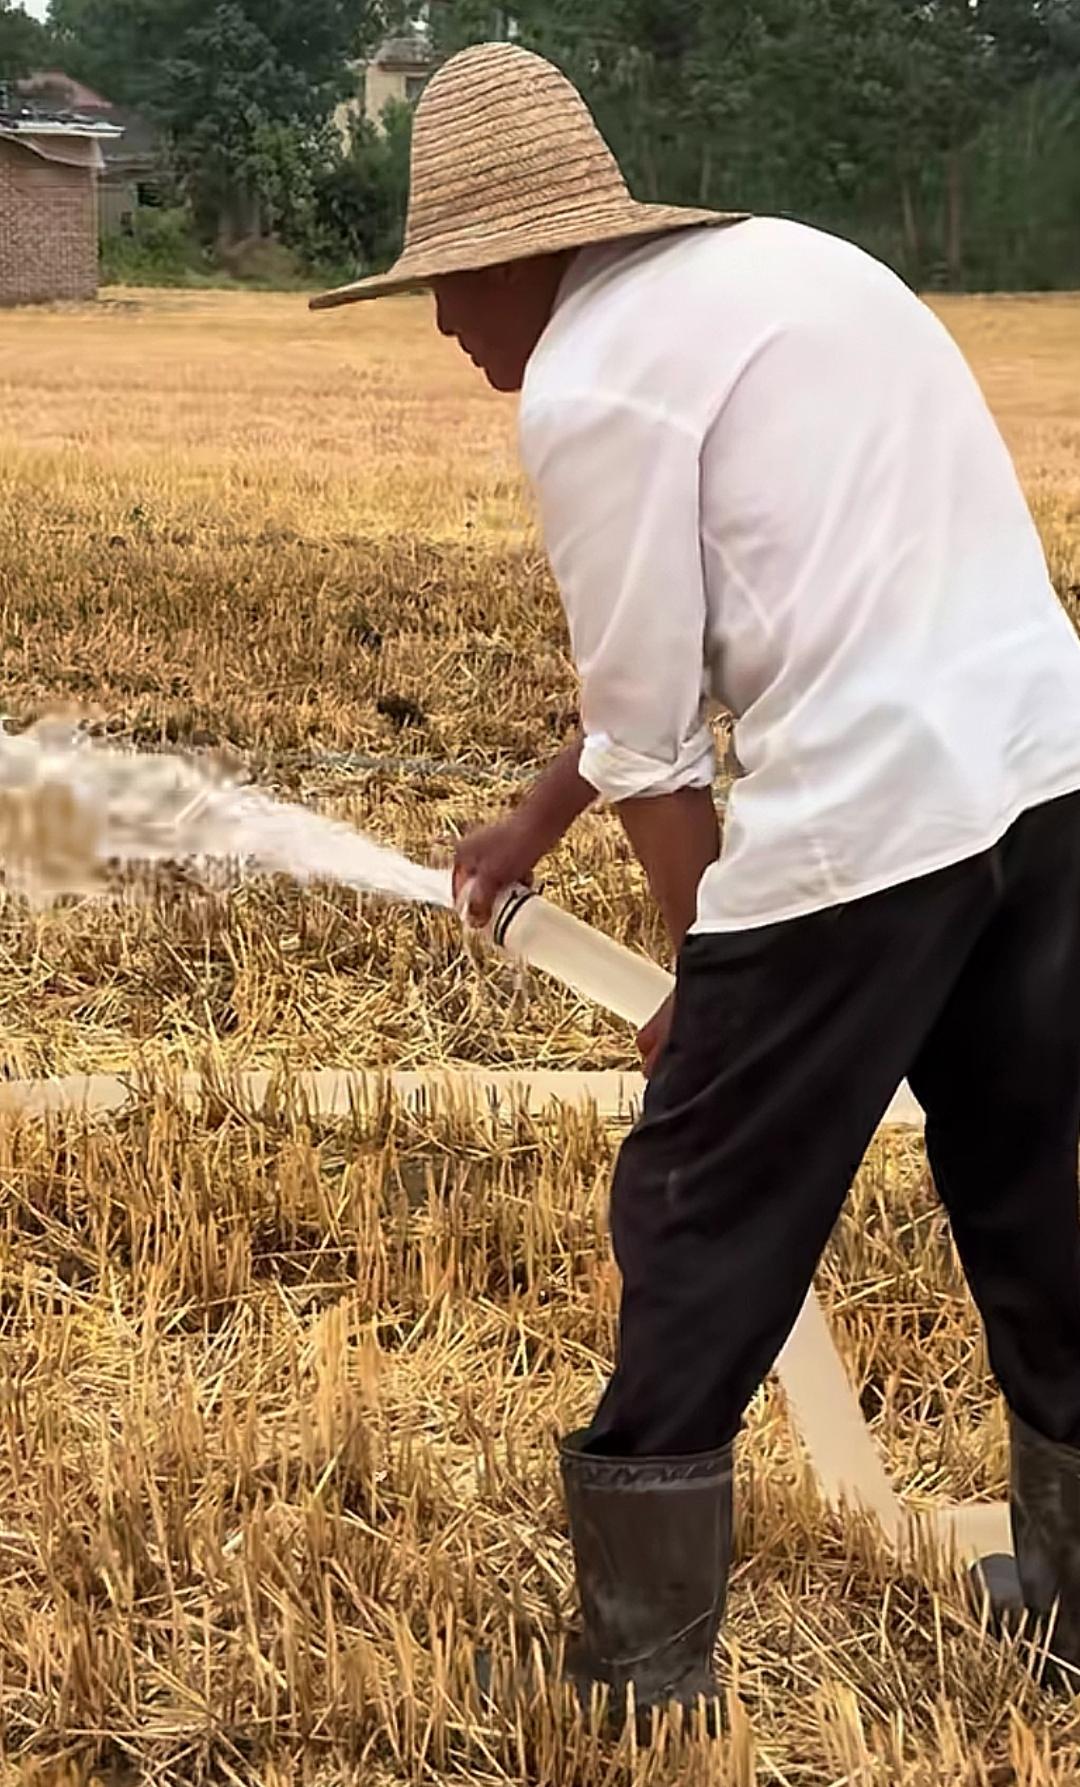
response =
{"points": [[767, 479]]}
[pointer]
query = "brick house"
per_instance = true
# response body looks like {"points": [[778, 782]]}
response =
{"points": [[49, 168], [398, 72], [134, 160]]}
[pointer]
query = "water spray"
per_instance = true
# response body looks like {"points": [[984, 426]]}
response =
{"points": [[71, 809]]}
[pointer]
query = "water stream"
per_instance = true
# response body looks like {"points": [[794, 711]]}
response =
{"points": [[70, 809]]}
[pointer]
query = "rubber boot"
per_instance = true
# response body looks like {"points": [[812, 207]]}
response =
{"points": [[1042, 1581], [652, 1552]]}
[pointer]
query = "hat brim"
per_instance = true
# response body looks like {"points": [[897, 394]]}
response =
{"points": [[415, 271]]}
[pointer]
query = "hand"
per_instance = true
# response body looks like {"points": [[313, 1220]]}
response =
{"points": [[653, 1039], [492, 859]]}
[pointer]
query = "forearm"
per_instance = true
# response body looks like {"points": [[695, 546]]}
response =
{"points": [[491, 860], [675, 837], [557, 797]]}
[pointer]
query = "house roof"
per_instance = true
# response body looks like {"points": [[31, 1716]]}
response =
{"points": [[129, 141], [63, 89], [404, 52], [56, 124], [142, 139]]}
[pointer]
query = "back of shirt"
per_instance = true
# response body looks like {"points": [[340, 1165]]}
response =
{"points": [[767, 475]]}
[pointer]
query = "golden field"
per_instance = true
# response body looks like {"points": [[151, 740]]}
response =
{"points": [[278, 1397]]}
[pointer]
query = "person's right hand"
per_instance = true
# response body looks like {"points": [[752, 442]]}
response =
{"points": [[492, 859]]}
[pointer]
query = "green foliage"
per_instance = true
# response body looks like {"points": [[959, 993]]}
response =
{"points": [[162, 249], [893, 121], [1022, 184], [24, 43], [361, 197], [941, 133], [243, 87]]}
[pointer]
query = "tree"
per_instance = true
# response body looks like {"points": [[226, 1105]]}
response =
{"points": [[24, 43], [971, 59], [926, 129], [360, 198], [857, 114], [243, 88]]}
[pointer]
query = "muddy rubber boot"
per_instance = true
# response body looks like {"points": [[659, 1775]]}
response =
{"points": [[652, 1551], [1041, 1583]]}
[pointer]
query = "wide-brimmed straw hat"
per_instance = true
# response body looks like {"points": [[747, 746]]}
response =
{"points": [[507, 163]]}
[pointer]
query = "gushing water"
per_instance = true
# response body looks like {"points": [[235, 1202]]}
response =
{"points": [[70, 808]]}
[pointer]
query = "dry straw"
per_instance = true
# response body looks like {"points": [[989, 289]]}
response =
{"points": [[278, 1397], [507, 163]]}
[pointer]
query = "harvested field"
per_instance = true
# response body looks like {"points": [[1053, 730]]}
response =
{"points": [[278, 1397]]}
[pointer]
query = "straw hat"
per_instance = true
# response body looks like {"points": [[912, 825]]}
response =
{"points": [[508, 163]]}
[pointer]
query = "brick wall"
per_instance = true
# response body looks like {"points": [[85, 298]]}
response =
{"points": [[48, 229]]}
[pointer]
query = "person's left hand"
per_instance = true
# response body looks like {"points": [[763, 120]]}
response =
{"points": [[652, 1040]]}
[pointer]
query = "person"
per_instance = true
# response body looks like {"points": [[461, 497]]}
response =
{"points": [[768, 482]]}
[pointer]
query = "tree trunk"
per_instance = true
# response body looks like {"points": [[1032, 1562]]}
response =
{"points": [[910, 220], [239, 219], [647, 154], [954, 216]]}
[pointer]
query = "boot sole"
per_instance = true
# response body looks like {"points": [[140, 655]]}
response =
{"points": [[616, 1713]]}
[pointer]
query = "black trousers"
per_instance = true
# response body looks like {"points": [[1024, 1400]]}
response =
{"points": [[787, 1045]]}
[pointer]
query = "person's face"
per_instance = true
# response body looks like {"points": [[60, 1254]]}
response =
{"points": [[498, 315]]}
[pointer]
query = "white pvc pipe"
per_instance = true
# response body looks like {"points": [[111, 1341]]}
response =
{"points": [[573, 953], [822, 1403], [811, 1370], [818, 1392]]}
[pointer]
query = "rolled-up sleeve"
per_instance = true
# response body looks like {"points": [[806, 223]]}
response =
{"points": [[618, 487]]}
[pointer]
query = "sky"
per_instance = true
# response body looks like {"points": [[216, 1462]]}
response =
{"points": [[37, 7]]}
